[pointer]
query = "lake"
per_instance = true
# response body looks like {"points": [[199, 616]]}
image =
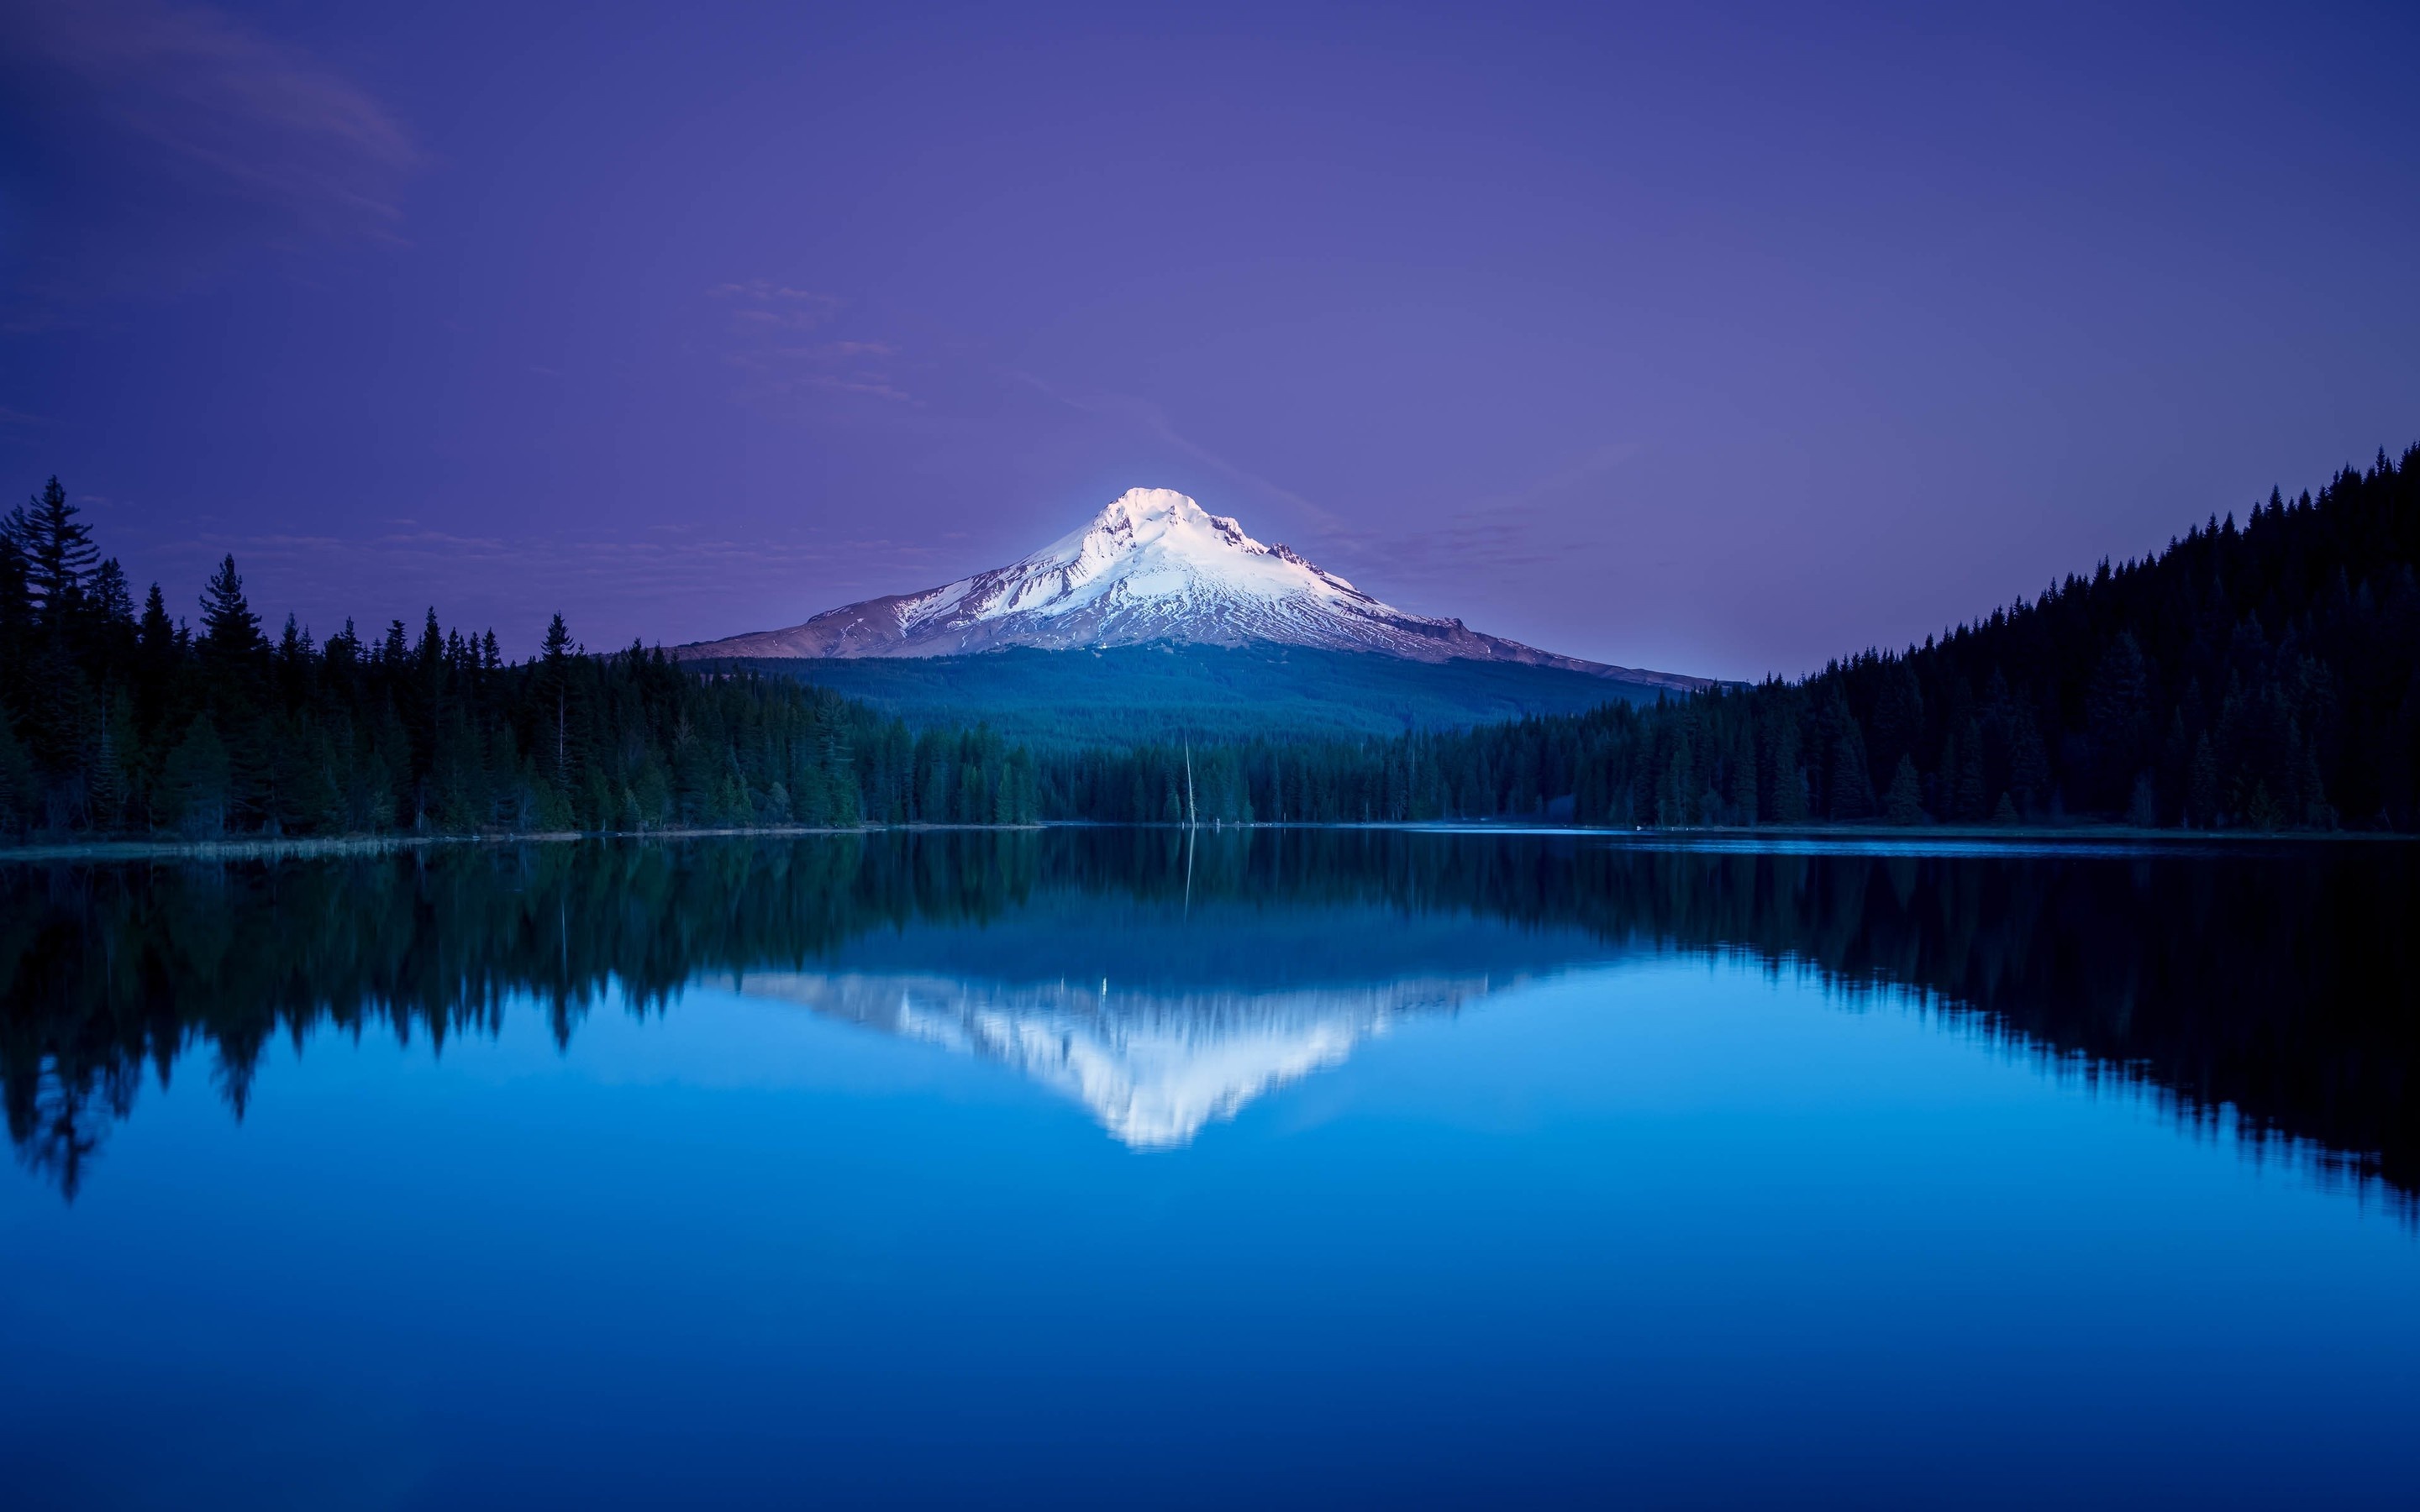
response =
{"points": [[1091, 1167]]}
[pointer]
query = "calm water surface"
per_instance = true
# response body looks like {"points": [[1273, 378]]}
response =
{"points": [[1100, 1167]]}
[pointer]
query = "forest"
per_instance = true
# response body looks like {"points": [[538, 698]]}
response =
{"points": [[119, 721], [2262, 675], [2259, 675], [110, 974]]}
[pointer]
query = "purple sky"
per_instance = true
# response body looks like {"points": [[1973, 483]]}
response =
{"points": [[1718, 344]]}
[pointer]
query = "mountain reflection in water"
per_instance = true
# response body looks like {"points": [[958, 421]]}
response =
{"points": [[1165, 985], [1153, 1067]]}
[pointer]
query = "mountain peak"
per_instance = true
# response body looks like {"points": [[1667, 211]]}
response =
{"points": [[1154, 1067], [1165, 508], [1153, 565], [1141, 517]]}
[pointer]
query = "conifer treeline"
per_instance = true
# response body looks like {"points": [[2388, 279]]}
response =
{"points": [[114, 721], [2308, 1025], [2263, 675]]}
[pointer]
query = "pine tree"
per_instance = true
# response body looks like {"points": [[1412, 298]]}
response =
{"points": [[555, 685], [108, 614], [1898, 715], [230, 630], [2143, 807], [2028, 763], [2201, 786], [1969, 796], [115, 748], [19, 793], [2261, 810], [59, 555], [1904, 803], [2115, 709], [1853, 790], [196, 781], [156, 632], [16, 624]]}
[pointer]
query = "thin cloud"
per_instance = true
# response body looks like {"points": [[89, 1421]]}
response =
{"points": [[1506, 534], [1603, 459], [765, 320], [1509, 534], [765, 289], [760, 303], [1154, 421], [207, 134], [1502, 534], [262, 117], [652, 585]]}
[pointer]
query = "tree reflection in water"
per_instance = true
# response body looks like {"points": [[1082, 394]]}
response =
{"points": [[2273, 988]]}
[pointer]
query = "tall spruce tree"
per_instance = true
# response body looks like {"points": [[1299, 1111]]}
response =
{"points": [[230, 630], [58, 553]]}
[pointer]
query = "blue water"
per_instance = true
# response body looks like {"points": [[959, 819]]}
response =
{"points": [[1619, 1223]]}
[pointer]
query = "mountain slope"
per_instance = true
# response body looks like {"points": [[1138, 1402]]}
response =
{"points": [[1152, 566], [1167, 691], [1163, 1016]]}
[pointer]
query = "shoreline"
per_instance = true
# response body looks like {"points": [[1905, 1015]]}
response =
{"points": [[305, 846], [2035, 837]]}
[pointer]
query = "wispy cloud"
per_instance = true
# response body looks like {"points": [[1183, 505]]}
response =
{"points": [[673, 582], [1153, 419], [159, 135], [762, 304], [1600, 460], [1501, 534], [879, 388], [1505, 534], [258, 116], [767, 327]]}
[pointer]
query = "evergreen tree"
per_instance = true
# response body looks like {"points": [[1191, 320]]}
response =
{"points": [[554, 686], [19, 794], [1904, 803], [196, 782], [59, 555], [230, 630]]}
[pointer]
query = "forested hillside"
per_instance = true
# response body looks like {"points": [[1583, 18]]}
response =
{"points": [[1118, 695], [2263, 675], [2256, 675], [123, 721]]}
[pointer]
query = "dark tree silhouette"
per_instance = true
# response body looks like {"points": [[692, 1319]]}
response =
{"points": [[2259, 677]]}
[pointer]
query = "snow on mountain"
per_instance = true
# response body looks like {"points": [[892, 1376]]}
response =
{"points": [[1154, 1066], [1152, 566]]}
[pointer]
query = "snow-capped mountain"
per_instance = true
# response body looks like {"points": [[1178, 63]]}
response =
{"points": [[1152, 566], [1154, 1066]]}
